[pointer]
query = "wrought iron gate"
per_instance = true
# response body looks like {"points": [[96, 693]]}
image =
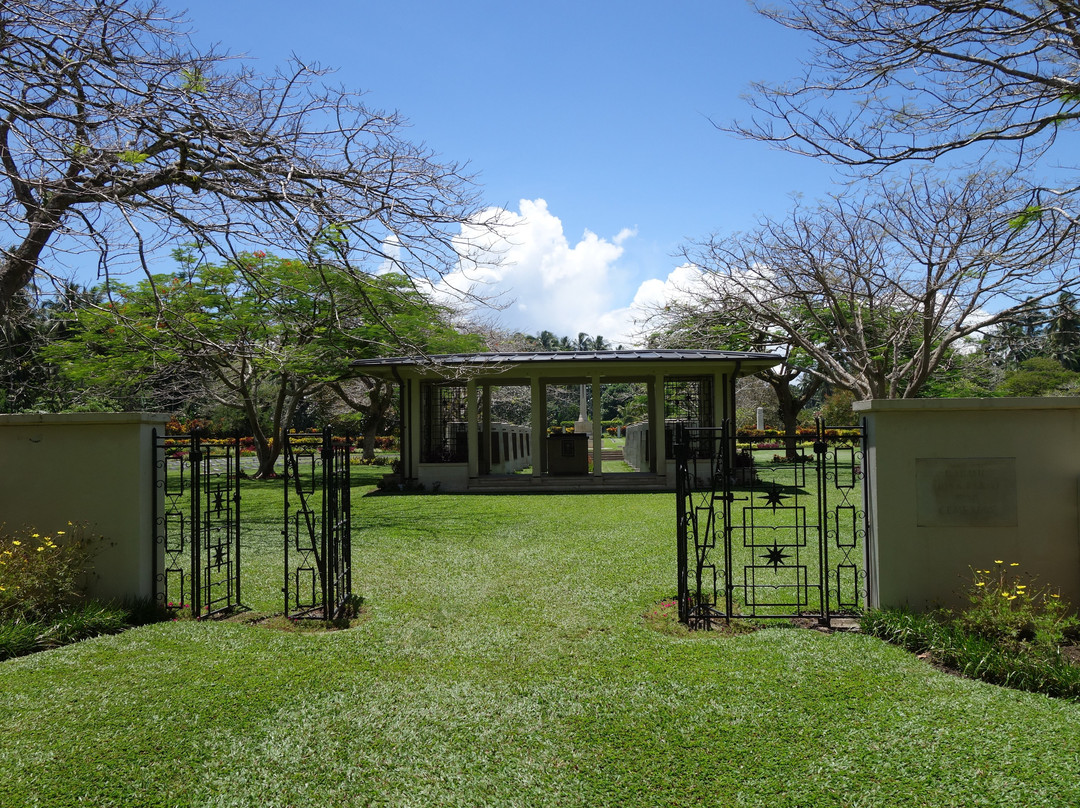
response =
{"points": [[197, 523], [318, 529], [786, 537]]}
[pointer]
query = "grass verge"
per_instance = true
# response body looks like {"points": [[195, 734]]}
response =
{"points": [[71, 624], [1027, 666], [507, 656]]}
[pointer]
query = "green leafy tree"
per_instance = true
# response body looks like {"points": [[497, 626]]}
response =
{"points": [[259, 348], [548, 341], [1040, 376], [697, 322], [971, 373], [1020, 337], [1063, 332], [28, 382], [836, 408], [23, 376]]}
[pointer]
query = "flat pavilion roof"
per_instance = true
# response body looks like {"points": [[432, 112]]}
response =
{"points": [[571, 361]]}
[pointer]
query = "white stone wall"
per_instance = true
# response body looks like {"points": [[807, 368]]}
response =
{"points": [[448, 477], [90, 468], [635, 450], [962, 483], [514, 448]]}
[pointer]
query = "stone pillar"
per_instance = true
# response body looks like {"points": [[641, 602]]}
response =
{"points": [[657, 426], [95, 469], [485, 444], [583, 425]]}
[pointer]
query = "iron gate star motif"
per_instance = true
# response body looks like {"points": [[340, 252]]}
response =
{"points": [[775, 557], [774, 497]]}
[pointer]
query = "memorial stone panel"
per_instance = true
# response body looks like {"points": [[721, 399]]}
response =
{"points": [[966, 491]]}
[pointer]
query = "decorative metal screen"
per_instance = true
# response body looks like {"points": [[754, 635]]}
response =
{"points": [[197, 523], [318, 527], [445, 437], [768, 535], [687, 402]]}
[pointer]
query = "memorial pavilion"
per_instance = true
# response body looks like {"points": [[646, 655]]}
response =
{"points": [[453, 438]]}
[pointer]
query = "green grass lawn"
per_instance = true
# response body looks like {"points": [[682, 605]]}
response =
{"points": [[504, 658]]}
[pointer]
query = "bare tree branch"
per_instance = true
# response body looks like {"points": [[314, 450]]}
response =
{"points": [[118, 137], [877, 290], [924, 78]]}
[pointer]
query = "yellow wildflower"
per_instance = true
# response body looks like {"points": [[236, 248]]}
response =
{"points": [[60, 532], [16, 542], [1021, 586], [981, 583], [1014, 563], [40, 549], [998, 561], [35, 535], [1012, 597]]}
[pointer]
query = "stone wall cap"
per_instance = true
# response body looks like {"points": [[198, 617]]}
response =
{"points": [[966, 404], [84, 418]]}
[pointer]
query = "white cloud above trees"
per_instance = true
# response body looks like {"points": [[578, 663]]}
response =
{"points": [[542, 279]]}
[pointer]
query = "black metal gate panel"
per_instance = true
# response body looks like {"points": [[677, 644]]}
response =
{"points": [[197, 523], [318, 526], [763, 534]]}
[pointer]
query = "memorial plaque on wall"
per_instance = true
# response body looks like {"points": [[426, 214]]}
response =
{"points": [[965, 491]]}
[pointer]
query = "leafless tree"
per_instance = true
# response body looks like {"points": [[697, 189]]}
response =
{"points": [[118, 137], [925, 79], [877, 288]]}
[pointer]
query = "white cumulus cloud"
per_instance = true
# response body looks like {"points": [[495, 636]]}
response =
{"points": [[545, 281]]}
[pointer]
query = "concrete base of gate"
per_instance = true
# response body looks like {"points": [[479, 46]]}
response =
{"points": [[94, 468], [957, 484]]}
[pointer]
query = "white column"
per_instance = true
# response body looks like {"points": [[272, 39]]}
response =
{"points": [[597, 429], [414, 392], [474, 447], [537, 438], [656, 427], [485, 408]]}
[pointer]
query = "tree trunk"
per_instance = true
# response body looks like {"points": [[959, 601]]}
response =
{"points": [[268, 453], [790, 405], [789, 415], [370, 430]]}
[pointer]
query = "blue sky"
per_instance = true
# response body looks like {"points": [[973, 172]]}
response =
{"points": [[589, 122]]}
